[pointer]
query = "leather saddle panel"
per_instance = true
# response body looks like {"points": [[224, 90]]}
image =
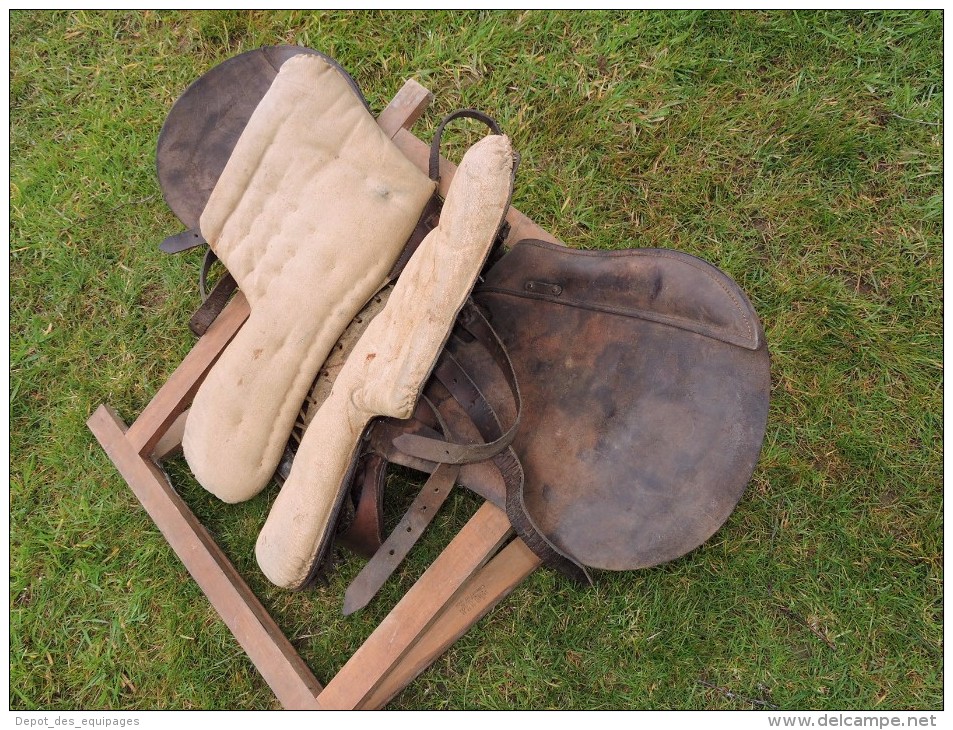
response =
{"points": [[645, 379], [204, 125]]}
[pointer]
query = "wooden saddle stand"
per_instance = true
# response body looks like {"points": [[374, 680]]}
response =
{"points": [[479, 567], [465, 582]]}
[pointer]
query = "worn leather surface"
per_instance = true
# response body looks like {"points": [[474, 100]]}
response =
{"points": [[645, 381], [205, 123]]}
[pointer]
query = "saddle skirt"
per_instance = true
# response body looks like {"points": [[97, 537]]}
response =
{"points": [[645, 379]]}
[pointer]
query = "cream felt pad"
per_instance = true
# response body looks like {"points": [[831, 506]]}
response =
{"points": [[390, 363], [309, 215]]}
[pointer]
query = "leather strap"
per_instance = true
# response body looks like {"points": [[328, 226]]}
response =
{"points": [[451, 398], [395, 548], [364, 534], [511, 471], [434, 167], [526, 528], [454, 378], [213, 305], [183, 241], [425, 224], [207, 263], [386, 555]]}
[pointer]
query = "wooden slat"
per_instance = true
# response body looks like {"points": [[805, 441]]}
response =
{"points": [[419, 153], [487, 587], [479, 539], [285, 672], [180, 388], [171, 442], [405, 108]]}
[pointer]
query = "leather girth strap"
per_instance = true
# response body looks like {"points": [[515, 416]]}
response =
{"points": [[455, 427]]}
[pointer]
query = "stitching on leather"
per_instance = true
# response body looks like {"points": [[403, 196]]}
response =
{"points": [[662, 253], [729, 336]]}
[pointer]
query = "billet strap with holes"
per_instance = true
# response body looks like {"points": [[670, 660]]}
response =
{"points": [[396, 547], [452, 387], [184, 241], [213, 302]]}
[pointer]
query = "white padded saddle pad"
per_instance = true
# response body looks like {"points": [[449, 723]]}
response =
{"points": [[309, 215]]}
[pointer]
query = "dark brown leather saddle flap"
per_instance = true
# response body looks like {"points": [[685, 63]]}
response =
{"points": [[645, 381]]}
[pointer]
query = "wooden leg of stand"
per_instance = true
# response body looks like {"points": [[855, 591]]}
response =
{"points": [[171, 442], [175, 396], [480, 538], [289, 678], [487, 587], [407, 106]]}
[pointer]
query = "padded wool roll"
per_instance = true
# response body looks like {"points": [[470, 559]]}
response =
{"points": [[309, 215], [390, 363]]}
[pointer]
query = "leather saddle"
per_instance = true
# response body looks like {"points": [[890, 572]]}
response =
{"points": [[612, 402]]}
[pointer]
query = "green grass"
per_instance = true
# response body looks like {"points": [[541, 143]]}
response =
{"points": [[800, 152]]}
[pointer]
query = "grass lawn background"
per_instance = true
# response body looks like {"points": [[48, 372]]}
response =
{"points": [[799, 152]]}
